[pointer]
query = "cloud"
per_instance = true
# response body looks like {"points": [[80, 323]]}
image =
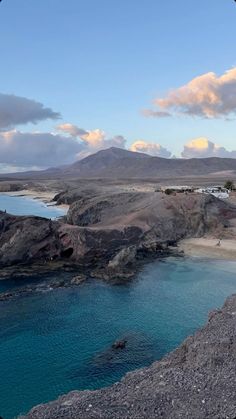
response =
{"points": [[150, 148], [207, 96], [93, 140], [71, 129], [37, 149], [156, 114], [16, 110], [202, 147], [25, 151]]}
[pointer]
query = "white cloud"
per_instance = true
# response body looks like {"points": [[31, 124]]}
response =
{"points": [[153, 149], [16, 110], [207, 96], [202, 147]]}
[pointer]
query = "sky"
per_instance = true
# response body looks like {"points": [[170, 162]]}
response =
{"points": [[78, 76]]}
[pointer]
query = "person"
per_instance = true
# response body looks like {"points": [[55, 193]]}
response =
{"points": [[218, 243]]}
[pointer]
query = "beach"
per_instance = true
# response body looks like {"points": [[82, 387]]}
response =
{"points": [[209, 248], [44, 196]]}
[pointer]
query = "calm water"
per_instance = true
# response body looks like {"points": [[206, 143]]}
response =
{"points": [[19, 205], [58, 341]]}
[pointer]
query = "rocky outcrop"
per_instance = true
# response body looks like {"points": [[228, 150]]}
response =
{"points": [[109, 236], [196, 381], [28, 239]]}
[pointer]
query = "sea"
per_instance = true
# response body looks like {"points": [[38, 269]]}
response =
{"points": [[61, 340], [21, 205]]}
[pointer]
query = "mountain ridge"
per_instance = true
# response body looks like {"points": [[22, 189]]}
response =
{"points": [[120, 163]]}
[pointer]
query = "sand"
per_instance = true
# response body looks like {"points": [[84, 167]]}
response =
{"points": [[207, 248], [44, 196]]}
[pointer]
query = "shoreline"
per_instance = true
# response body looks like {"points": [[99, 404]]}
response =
{"points": [[207, 248], [44, 196]]}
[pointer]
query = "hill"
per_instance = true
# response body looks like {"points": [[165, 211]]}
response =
{"points": [[123, 164], [118, 163]]}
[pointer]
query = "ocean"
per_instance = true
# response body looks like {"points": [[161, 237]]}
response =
{"points": [[54, 342], [20, 205], [61, 340]]}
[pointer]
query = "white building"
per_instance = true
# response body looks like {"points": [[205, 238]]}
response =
{"points": [[217, 191]]}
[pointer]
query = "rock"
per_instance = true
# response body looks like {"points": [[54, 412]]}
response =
{"points": [[123, 258], [78, 279], [27, 240], [119, 344], [113, 234]]}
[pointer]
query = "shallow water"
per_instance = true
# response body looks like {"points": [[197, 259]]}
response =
{"points": [[19, 205], [58, 341]]}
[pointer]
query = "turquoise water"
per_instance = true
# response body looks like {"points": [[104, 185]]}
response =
{"points": [[19, 205], [58, 341]]}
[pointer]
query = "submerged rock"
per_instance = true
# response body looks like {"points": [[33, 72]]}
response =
{"points": [[119, 344]]}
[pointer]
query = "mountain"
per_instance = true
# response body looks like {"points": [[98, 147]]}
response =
{"points": [[119, 163]]}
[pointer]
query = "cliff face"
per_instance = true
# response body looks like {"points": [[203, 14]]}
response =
{"points": [[27, 239], [196, 381], [109, 234]]}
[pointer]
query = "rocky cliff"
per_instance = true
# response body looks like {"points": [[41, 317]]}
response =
{"points": [[196, 381], [110, 234]]}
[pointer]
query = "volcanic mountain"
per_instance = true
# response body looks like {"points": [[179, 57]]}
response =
{"points": [[119, 163], [123, 164]]}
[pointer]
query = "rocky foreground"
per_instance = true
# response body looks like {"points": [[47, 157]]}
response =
{"points": [[196, 381]]}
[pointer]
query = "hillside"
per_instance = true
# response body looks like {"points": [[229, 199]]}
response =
{"points": [[115, 162], [123, 164]]}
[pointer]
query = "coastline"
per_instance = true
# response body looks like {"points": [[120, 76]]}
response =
{"points": [[44, 196], [207, 248]]}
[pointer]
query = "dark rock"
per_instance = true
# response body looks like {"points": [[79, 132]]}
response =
{"points": [[119, 344]]}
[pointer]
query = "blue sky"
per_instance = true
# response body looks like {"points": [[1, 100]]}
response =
{"points": [[100, 63]]}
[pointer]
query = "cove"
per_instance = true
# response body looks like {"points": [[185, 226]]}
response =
{"points": [[54, 342], [20, 205]]}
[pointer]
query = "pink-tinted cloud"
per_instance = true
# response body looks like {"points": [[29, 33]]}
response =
{"points": [[206, 96], [152, 149], [71, 129], [93, 140]]}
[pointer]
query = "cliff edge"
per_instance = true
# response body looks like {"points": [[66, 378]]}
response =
{"points": [[109, 235]]}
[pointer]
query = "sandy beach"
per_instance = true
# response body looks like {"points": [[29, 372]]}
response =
{"points": [[44, 196], [208, 248]]}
